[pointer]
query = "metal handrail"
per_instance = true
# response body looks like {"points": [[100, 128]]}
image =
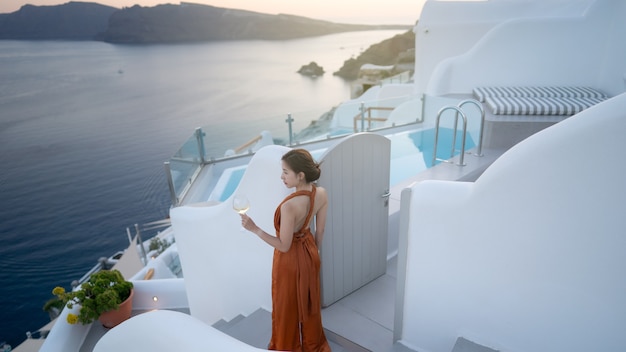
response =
{"points": [[479, 149], [361, 116], [170, 184], [247, 144], [200, 143], [458, 112]]}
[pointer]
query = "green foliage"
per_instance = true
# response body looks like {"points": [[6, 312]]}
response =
{"points": [[104, 291], [53, 303], [158, 244]]}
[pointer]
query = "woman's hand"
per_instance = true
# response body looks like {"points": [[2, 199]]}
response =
{"points": [[274, 241], [248, 224]]}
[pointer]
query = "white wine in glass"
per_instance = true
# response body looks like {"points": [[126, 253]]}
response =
{"points": [[241, 204]]}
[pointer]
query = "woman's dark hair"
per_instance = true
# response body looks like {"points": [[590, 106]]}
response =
{"points": [[300, 160]]}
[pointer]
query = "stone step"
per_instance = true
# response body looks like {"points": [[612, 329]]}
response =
{"points": [[256, 330], [464, 345], [223, 324]]}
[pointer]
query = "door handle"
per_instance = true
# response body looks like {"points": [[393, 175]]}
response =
{"points": [[386, 196]]}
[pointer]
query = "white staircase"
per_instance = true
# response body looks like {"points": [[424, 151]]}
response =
{"points": [[256, 330]]}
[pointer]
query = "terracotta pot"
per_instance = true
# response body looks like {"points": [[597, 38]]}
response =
{"points": [[113, 317]]}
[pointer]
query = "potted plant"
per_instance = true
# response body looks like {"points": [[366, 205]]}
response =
{"points": [[105, 293]]}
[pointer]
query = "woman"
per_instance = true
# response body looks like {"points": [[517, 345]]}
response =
{"points": [[296, 307]]}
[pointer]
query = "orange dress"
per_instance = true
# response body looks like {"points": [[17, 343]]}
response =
{"points": [[296, 306]]}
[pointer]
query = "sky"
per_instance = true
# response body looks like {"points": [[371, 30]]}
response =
{"points": [[343, 11]]}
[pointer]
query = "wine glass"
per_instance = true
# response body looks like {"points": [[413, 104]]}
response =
{"points": [[241, 204]]}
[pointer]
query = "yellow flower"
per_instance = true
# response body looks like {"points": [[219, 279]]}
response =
{"points": [[58, 291], [72, 318]]}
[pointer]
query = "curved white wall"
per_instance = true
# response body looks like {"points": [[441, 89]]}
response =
{"points": [[165, 331], [228, 271], [581, 49], [65, 336], [531, 256]]}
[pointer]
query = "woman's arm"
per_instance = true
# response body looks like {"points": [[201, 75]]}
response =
{"points": [[287, 219]]}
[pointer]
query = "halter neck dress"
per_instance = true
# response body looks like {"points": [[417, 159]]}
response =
{"points": [[296, 306]]}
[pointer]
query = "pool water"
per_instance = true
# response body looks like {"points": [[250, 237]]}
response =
{"points": [[411, 153]]}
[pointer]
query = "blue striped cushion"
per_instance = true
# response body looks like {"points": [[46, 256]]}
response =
{"points": [[540, 106], [481, 93]]}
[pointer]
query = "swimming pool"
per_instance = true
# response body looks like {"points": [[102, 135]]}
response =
{"points": [[411, 153]]}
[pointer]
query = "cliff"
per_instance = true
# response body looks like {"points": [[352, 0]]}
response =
{"points": [[190, 22], [70, 21], [398, 51], [162, 24]]}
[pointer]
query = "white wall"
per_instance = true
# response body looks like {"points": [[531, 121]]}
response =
{"points": [[159, 294], [571, 49], [463, 44], [165, 331], [614, 63], [65, 336], [530, 257], [228, 271]]}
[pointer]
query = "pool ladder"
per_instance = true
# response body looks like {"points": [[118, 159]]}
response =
{"points": [[458, 111]]}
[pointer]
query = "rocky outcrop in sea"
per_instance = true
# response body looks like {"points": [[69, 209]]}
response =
{"points": [[311, 70]]}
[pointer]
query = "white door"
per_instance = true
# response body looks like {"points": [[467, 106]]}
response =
{"points": [[355, 173]]}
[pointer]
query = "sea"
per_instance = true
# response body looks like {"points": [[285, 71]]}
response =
{"points": [[85, 129]]}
